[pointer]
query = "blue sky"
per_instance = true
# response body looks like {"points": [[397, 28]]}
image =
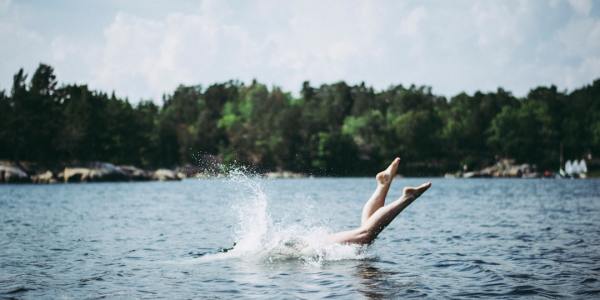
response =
{"points": [[143, 49]]}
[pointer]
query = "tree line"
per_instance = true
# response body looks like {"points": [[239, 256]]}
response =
{"points": [[332, 129]]}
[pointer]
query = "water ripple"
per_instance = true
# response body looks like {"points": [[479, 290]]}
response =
{"points": [[463, 239]]}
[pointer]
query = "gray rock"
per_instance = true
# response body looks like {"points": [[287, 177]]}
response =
{"points": [[136, 174], [98, 172], [46, 177], [76, 174], [284, 174], [12, 174], [164, 175], [470, 175]]}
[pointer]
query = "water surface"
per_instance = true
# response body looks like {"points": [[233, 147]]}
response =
{"points": [[463, 238]]}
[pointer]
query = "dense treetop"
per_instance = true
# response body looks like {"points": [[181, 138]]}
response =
{"points": [[333, 129]]}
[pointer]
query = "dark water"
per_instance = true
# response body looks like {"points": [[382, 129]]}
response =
{"points": [[462, 239]]}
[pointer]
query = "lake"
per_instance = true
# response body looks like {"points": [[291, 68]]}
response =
{"points": [[498, 238]]}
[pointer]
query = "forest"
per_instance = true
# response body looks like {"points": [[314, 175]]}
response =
{"points": [[333, 129]]}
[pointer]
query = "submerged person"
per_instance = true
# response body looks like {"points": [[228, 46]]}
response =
{"points": [[375, 214]]}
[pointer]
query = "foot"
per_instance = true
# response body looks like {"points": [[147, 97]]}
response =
{"points": [[412, 193], [385, 177]]}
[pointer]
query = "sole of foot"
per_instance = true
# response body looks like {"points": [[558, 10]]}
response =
{"points": [[415, 192], [386, 176]]}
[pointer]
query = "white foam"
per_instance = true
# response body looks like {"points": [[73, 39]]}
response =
{"points": [[258, 238]]}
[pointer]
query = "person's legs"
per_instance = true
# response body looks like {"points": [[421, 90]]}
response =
{"points": [[380, 219], [377, 200], [384, 216]]}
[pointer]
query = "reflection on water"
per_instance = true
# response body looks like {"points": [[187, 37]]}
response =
{"points": [[464, 238], [378, 283]]}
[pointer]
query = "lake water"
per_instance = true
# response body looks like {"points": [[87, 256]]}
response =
{"points": [[463, 238]]}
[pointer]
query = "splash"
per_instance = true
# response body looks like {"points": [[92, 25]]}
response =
{"points": [[259, 238]]}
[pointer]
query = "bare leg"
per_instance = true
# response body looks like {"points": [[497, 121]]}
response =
{"points": [[380, 219], [377, 200], [384, 216]]}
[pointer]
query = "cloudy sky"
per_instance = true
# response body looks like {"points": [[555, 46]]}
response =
{"points": [[143, 49]]}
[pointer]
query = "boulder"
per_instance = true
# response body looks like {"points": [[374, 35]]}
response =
{"points": [[284, 174], [76, 174], [505, 168], [46, 177], [107, 172], [164, 175], [513, 171], [136, 174], [98, 172], [12, 174], [470, 175], [491, 171]]}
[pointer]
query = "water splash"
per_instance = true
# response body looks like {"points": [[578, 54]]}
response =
{"points": [[259, 238]]}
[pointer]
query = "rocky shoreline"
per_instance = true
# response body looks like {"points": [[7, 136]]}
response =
{"points": [[13, 172], [504, 168], [93, 172]]}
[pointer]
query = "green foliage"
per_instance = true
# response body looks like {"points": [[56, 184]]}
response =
{"points": [[333, 129], [525, 133]]}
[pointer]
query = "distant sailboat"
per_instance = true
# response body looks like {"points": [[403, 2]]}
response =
{"points": [[583, 166], [569, 168], [574, 169], [582, 169]]}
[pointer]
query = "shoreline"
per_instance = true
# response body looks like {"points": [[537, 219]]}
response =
{"points": [[263, 176], [24, 172], [35, 173]]}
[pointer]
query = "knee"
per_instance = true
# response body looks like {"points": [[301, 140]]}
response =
{"points": [[365, 235]]}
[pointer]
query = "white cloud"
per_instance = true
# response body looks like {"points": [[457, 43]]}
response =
{"points": [[554, 3], [452, 46], [20, 49], [580, 40], [4, 4], [411, 24], [582, 7], [149, 57], [157, 55]]}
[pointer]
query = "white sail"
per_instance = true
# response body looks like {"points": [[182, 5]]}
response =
{"points": [[582, 166], [576, 167], [569, 167]]}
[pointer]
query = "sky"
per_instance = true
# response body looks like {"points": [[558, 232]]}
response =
{"points": [[144, 49]]}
